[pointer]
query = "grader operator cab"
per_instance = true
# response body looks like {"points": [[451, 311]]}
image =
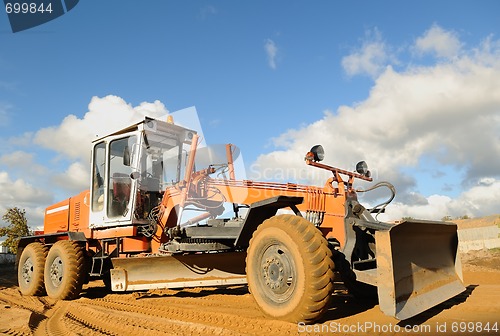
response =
{"points": [[135, 229]]}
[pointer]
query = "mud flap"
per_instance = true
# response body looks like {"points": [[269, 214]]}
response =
{"points": [[418, 267], [178, 271]]}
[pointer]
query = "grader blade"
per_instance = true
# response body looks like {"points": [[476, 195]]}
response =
{"points": [[178, 271], [418, 267]]}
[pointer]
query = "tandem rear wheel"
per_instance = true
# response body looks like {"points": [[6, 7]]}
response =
{"points": [[289, 269], [58, 272], [64, 270], [31, 268]]}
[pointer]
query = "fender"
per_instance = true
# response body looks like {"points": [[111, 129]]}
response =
{"points": [[262, 210]]}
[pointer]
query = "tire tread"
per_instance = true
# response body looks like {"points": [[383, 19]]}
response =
{"points": [[74, 260], [319, 266], [39, 254]]}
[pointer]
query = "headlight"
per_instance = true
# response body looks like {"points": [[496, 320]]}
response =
{"points": [[362, 168], [318, 152]]}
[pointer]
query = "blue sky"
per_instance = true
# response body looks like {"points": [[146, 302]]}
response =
{"points": [[273, 77]]}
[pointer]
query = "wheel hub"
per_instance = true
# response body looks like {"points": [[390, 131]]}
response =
{"points": [[56, 272], [278, 271], [27, 270], [273, 273]]}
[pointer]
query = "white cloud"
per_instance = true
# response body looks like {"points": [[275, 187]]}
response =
{"points": [[371, 58], [20, 193], [28, 192], [480, 199], [436, 40], [16, 158], [477, 201], [155, 110], [75, 179], [4, 114], [207, 11], [448, 111], [22, 140], [72, 138], [271, 52], [24, 162]]}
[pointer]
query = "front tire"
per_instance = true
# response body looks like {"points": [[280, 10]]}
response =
{"points": [[30, 269], [289, 269], [64, 270]]}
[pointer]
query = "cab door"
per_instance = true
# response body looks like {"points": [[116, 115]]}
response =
{"points": [[113, 189]]}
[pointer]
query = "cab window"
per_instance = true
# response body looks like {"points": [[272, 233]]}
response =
{"points": [[98, 176], [119, 177]]}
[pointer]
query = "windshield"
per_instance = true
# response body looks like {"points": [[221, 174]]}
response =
{"points": [[161, 165], [161, 161]]}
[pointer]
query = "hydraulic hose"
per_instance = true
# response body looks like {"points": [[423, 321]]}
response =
{"points": [[384, 204]]}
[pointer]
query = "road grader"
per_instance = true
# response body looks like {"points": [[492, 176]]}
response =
{"points": [[153, 218]]}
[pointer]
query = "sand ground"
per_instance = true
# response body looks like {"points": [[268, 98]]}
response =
{"points": [[232, 311]]}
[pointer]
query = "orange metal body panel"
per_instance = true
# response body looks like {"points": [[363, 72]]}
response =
{"points": [[115, 232], [79, 213], [56, 217], [72, 214], [127, 245], [327, 202], [135, 244], [168, 219]]}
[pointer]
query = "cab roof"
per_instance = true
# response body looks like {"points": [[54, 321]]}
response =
{"points": [[149, 124]]}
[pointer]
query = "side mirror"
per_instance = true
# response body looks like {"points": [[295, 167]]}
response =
{"points": [[318, 152], [135, 175], [126, 156]]}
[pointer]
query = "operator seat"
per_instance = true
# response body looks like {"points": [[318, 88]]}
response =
{"points": [[121, 193]]}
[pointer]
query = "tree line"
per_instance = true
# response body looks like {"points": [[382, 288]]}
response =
{"points": [[444, 218], [17, 227]]}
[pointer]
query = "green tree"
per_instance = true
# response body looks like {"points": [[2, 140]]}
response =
{"points": [[17, 228]]}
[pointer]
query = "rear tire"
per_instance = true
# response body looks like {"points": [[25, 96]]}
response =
{"points": [[64, 270], [30, 269], [289, 269]]}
